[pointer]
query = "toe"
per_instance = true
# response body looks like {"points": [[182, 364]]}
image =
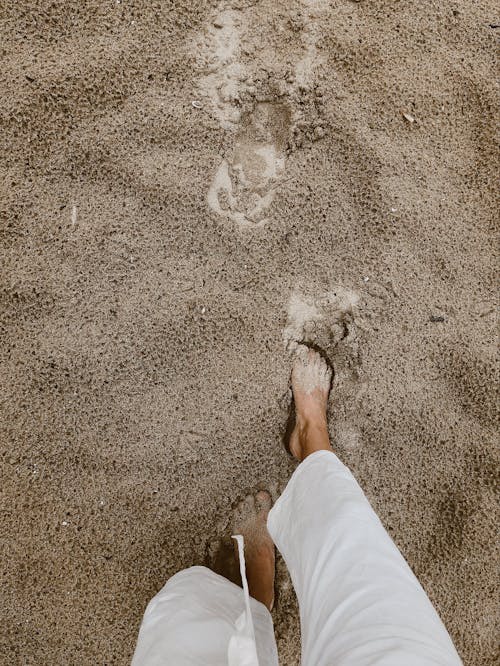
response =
{"points": [[263, 501], [302, 355], [249, 504], [309, 355], [242, 511], [321, 366]]}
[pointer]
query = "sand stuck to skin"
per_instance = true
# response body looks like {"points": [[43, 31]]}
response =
{"points": [[187, 190]]}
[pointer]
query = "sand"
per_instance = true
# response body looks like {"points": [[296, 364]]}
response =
{"points": [[181, 184]]}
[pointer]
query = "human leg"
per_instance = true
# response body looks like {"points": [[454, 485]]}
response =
{"points": [[250, 521], [360, 604], [200, 618], [193, 619]]}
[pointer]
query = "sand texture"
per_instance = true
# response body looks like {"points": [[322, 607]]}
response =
{"points": [[189, 190]]}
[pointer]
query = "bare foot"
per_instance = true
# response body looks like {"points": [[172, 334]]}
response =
{"points": [[250, 521], [311, 381]]}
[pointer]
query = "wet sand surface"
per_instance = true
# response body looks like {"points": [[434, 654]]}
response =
{"points": [[188, 190]]}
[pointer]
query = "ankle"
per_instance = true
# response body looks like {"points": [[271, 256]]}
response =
{"points": [[310, 424], [312, 436]]}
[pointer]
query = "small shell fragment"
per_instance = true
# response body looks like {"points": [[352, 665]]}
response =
{"points": [[196, 104], [409, 117]]}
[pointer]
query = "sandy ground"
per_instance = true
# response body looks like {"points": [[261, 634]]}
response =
{"points": [[187, 190]]}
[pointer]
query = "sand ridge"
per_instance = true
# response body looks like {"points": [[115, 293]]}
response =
{"points": [[158, 256]]}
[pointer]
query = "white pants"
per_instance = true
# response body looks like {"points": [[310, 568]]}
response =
{"points": [[360, 604]]}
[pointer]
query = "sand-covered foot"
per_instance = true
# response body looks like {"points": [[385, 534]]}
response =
{"points": [[251, 522], [311, 382]]}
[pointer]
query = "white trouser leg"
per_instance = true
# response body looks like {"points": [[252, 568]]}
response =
{"points": [[360, 603], [193, 620]]}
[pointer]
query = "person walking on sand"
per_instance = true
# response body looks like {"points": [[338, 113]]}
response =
{"points": [[360, 604]]}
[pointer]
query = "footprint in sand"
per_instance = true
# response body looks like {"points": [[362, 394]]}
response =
{"points": [[321, 321], [220, 57], [328, 323], [245, 183], [257, 73]]}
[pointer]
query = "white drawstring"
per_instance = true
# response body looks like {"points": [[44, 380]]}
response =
{"points": [[242, 650]]}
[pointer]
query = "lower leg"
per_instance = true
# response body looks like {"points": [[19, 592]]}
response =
{"points": [[311, 379]]}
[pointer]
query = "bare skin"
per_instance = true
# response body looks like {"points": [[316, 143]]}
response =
{"points": [[311, 381], [251, 522]]}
